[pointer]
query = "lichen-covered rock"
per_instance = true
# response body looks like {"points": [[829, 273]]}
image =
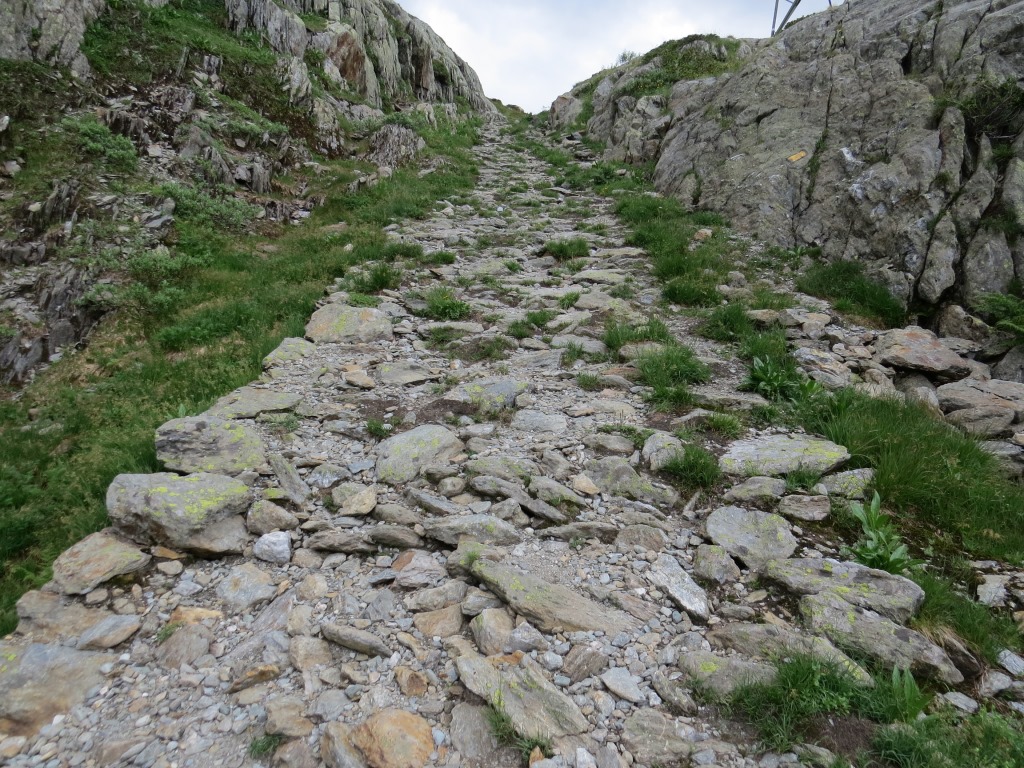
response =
{"points": [[894, 596], [548, 605], [614, 475], [666, 574], [250, 402], [341, 324], [288, 351], [724, 674], [486, 529], [97, 558], [753, 536], [661, 448], [876, 636], [209, 444], [171, 510], [401, 458], [490, 395], [654, 738], [781, 454]]}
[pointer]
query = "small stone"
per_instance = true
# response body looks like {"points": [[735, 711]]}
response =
{"points": [[273, 548], [394, 739], [811, 508], [961, 702], [620, 682]]}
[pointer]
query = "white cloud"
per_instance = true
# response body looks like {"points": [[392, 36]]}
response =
{"points": [[527, 52]]}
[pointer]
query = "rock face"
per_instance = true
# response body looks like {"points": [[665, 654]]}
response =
{"points": [[50, 32], [805, 148], [371, 47]]}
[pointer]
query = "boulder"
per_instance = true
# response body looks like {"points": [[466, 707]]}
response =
{"points": [[916, 349], [209, 444], [172, 510], [94, 560], [755, 537], [401, 458], [776, 455], [341, 324]]}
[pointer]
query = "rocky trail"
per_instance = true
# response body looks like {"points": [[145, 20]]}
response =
{"points": [[410, 520]]}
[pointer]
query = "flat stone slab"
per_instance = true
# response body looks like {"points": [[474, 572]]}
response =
{"points": [[97, 558], [172, 510], [724, 674], [403, 374], [490, 395], [341, 324], [876, 636], [486, 529], [549, 605], [753, 536], [894, 596], [614, 475], [209, 444], [971, 393], [781, 454], [769, 641], [810, 508], [666, 574], [522, 692], [916, 349], [538, 422], [401, 458], [38, 682], [250, 402], [620, 682], [853, 484], [654, 738], [288, 351]]}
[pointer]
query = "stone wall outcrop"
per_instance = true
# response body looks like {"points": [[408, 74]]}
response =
{"points": [[884, 131]]}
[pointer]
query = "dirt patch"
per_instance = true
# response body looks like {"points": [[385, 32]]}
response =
{"points": [[845, 735]]}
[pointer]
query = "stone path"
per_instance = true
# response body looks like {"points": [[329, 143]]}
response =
{"points": [[406, 520]]}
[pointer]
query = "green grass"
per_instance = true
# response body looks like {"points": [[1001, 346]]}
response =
{"points": [[929, 474], [115, 153], [678, 62], [638, 435], [568, 301], [96, 410], [567, 250], [505, 733], [694, 468], [442, 305], [845, 283], [617, 335], [265, 745], [521, 329], [668, 372], [589, 382], [540, 317], [724, 424], [945, 741]]}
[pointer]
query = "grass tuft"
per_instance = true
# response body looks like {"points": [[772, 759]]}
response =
{"points": [[694, 468], [851, 291]]}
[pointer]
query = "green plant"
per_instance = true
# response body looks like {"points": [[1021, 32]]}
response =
{"points": [[541, 317], [691, 293], [773, 379], [513, 266], [442, 305], [489, 349], [520, 329], [265, 744], [668, 371], [115, 153], [572, 352], [802, 479], [505, 732], [589, 382], [880, 545], [1007, 312], [378, 429], [724, 424], [728, 323], [846, 283], [165, 632], [568, 301], [694, 468], [617, 335], [566, 250], [944, 740], [379, 277], [639, 435]]}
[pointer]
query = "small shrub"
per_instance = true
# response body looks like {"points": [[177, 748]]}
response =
{"points": [[1007, 313], [728, 323], [802, 479], [378, 429], [540, 317], [94, 139], [513, 266], [380, 277], [265, 744], [363, 300], [668, 372], [724, 424], [437, 258], [694, 468], [442, 305], [566, 250], [520, 329], [880, 546], [216, 213], [773, 380], [491, 349]]}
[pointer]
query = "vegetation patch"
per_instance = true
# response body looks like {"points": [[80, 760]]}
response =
{"points": [[690, 58], [845, 284], [567, 250], [693, 468]]}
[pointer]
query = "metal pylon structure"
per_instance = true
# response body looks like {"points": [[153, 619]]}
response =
{"points": [[792, 7]]}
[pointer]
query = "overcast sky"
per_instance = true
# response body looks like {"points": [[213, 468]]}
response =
{"points": [[527, 52]]}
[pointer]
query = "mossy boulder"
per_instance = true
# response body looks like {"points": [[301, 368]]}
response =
{"points": [[341, 324], [777, 455], [168, 509]]}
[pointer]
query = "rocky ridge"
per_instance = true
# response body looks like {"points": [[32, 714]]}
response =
{"points": [[885, 132], [360, 551]]}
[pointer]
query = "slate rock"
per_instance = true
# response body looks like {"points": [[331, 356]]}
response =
{"points": [[417, 569], [291, 483], [712, 563], [356, 640], [660, 449], [340, 324], [620, 682], [972, 393], [874, 635], [172, 510], [723, 674], [266, 517], [757, 489], [615, 476], [547, 605], [29, 697], [781, 454], [441, 623], [809, 508], [894, 596], [769, 642], [401, 458], [482, 528], [852, 484], [533, 705], [109, 632], [244, 587], [209, 444], [250, 402], [403, 374], [753, 536], [336, 748], [539, 423], [508, 468], [490, 395], [654, 738], [666, 574], [492, 631], [94, 560], [917, 349], [273, 548], [471, 733], [187, 644]]}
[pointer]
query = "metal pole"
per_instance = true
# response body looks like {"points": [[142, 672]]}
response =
{"points": [[792, 7]]}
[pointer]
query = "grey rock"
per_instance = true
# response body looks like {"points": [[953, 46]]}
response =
{"points": [[492, 631], [493, 486], [356, 640], [490, 395], [619, 681], [340, 324], [668, 575], [244, 587], [418, 569], [402, 457], [851, 485], [172, 510], [266, 517], [810, 508], [869, 633], [187, 644], [653, 738], [109, 632], [615, 476], [482, 528], [712, 563], [659, 449], [553, 492], [723, 674], [94, 560], [757, 489], [753, 536], [273, 548], [508, 468], [894, 596], [972, 393], [471, 732], [539, 423], [209, 444], [916, 349], [674, 694], [781, 454], [250, 402], [584, 661], [289, 350], [548, 605], [288, 477]]}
